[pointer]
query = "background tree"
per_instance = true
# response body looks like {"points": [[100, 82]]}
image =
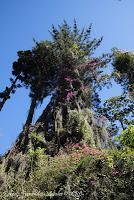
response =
{"points": [[127, 137], [118, 110], [123, 63]]}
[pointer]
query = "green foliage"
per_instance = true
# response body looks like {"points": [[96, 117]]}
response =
{"points": [[39, 68], [123, 62], [34, 70], [71, 45], [38, 152], [36, 149], [6, 94], [118, 109], [37, 141], [65, 68], [36, 137], [76, 175], [79, 126], [127, 137], [35, 156]]}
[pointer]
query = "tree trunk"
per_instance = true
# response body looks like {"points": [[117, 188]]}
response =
{"points": [[63, 122], [31, 111], [8, 94], [59, 125]]}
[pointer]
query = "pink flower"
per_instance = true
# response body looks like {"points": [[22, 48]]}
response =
{"points": [[93, 63], [70, 95], [86, 150], [77, 146], [114, 173], [76, 155], [69, 79]]}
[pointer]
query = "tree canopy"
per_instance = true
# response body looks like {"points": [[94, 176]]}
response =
{"points": [[64, 65], [67, 68]]}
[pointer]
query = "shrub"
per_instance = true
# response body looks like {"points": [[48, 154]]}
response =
{"points": [[77, 172]]}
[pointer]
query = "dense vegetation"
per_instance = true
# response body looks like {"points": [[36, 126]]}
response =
{"points": [[76, 172], [78, 148]]}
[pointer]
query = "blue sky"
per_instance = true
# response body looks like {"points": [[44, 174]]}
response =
{"points": [[21, 21]]}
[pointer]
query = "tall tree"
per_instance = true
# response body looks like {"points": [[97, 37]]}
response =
{"points": [[66, 68], [78, 74], [36, 72], [51, 63]]}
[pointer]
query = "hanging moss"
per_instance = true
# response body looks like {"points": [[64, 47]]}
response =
{"points": [[78, 124]]}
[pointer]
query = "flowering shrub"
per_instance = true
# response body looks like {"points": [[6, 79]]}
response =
{"points": [[77, 169], [83, 149]]}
